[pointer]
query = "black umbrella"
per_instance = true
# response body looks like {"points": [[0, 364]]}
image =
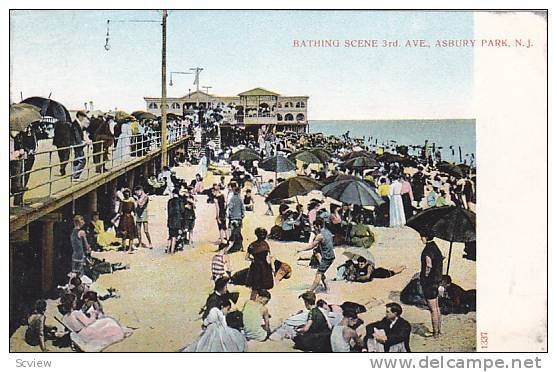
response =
{"points": [[299, 185], [49, 107], [321, 153], [306, 156], [450, 169], [245, 155], [357, 154], [277, 164], [360, 163], [450, 223], [144, 115], [352, 192], [340, 177]]}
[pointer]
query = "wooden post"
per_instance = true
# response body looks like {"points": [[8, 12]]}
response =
{"points": [[131, 179], [46, 242], [93, 201], [460, 153]]}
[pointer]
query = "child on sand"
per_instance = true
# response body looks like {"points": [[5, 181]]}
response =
{"points": [[35, 333]]}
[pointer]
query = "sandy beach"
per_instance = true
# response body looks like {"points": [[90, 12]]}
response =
{"points": [[161, 294]]}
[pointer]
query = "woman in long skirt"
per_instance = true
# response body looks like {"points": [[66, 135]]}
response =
{"points": [[396, 207]]}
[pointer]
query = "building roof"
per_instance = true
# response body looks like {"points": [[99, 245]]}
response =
{"points": [[258, 92], [197, 93]]}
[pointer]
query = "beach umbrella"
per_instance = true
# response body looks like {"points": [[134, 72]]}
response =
{"points": [[355, 252], [295, 186], [305, 156], [357, 154], [321, 153], [340, 177], [277, 164], [450, 169], [245, 155], [352, 192], [49, 107], [144, 115], [360, 163], [23, 114], [450, 223]]}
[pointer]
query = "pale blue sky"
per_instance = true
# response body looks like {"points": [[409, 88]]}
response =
{"points": [[63, 52]]}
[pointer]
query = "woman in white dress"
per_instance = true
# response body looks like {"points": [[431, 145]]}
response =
{"points": [[218, 336], [123, 148], [396, 207]]}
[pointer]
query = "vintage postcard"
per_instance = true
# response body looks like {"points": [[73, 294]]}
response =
{"points": [[277, 181]]}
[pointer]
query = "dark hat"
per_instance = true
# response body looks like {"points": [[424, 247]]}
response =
{"points": [[81, 113], [221, 283], [308, 296]]}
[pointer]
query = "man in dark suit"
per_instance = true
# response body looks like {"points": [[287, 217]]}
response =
{"points": [[62, 139], [99, 130], [78, 141], [397, 330]]}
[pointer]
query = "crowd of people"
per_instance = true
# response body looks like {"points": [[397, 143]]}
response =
{"points": [[318, 326]]}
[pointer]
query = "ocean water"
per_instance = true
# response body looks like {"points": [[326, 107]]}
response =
{"points": [[444, 133]]}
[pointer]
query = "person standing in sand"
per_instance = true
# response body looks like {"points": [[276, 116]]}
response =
{"points": [[126, 227], [142, 215], [220, 213], [260, 274], [396, 210], [430, 279], [324, 242]]}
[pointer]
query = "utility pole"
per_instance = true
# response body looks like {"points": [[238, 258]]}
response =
{"points": [[196, 81], [164, 144], [207, 90]]}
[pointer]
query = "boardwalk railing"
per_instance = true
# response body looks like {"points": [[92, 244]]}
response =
{"points": [[83, 162]]}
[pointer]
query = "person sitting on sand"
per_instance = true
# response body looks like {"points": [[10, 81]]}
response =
{"points": [[90, 334], [255, 313], [37, 331], [315, 334], [106, 240], [391, 334], [92, 306], [217, 335], [344, 337], [361, 234], [214, 299]]}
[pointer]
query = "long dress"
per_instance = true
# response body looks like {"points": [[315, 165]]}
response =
{"points": [[126, 227], [94, 335], [260, 275], [218, 337], [123, 147], [396, 207]]}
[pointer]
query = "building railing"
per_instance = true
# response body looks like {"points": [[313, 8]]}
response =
{"points": [[96, 157]]}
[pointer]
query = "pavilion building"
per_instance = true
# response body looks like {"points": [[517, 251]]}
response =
{"points": [[251, 110]]}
